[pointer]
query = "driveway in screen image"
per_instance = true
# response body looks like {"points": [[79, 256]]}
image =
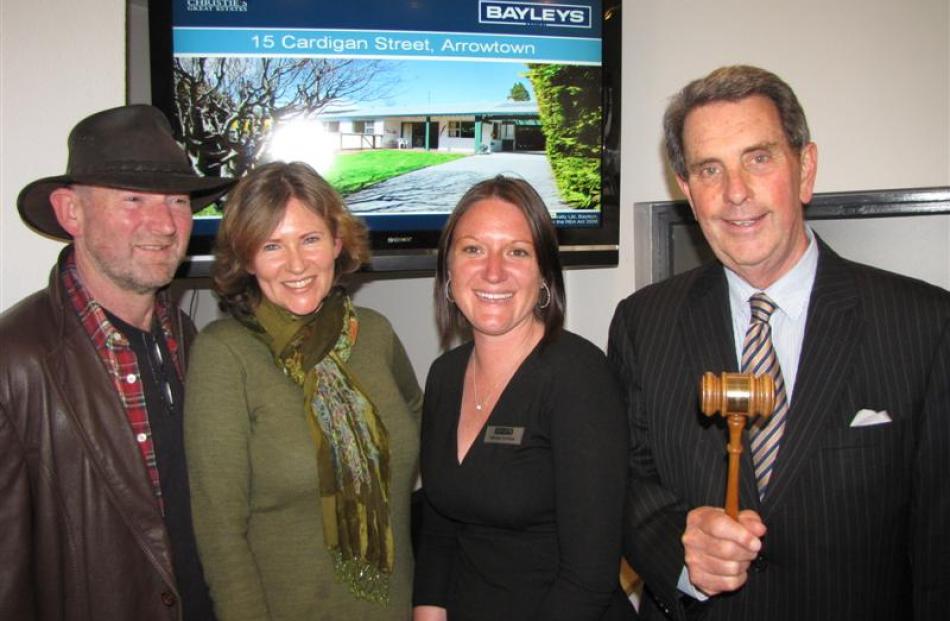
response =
{"points": [[437, 187]]}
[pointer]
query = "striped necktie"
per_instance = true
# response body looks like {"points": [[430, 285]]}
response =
{"points": [[758, 358]]}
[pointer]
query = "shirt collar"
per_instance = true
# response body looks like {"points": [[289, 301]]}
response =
{"points": [[791, 292], [93, 317]]}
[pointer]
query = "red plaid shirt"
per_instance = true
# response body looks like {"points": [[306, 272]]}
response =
{"points": [[120, 362]]}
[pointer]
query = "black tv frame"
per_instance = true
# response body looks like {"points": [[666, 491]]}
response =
{"points": [[666, 215], [595, 247]]}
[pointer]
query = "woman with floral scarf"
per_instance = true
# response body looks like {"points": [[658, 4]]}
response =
{"points": [[301, 417]]}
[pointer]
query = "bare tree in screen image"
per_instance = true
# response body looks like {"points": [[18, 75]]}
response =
{"points": [[227, 107]]}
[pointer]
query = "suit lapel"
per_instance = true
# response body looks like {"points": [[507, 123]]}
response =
{"points": [[831, 331], [706, 314], [707, 338]]}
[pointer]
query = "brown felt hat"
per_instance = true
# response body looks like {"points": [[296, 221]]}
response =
{"points": [[129, 148]]}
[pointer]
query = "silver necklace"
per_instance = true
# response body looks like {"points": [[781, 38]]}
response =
{"points": [[480, 405]]}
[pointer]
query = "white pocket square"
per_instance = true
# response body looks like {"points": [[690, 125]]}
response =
{"points": [[866, 418]]}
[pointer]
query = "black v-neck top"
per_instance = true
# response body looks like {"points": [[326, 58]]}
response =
{"points": [[528, 526]]}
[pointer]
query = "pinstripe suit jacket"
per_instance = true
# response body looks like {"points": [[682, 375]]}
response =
{"points": [[858, 517]]}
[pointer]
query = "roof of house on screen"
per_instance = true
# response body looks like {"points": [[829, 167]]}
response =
{"points": [[505, 109]]}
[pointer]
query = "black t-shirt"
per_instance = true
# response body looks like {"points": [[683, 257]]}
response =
{"points": [[164, 401]]}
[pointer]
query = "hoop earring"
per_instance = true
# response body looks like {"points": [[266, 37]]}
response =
{"points": [[547, 297], [447, 290]]}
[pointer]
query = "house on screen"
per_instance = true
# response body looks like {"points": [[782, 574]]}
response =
{"points": [[463, 127]]}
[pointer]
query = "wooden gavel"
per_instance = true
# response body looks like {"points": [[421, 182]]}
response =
{"points": [[736, 396]]}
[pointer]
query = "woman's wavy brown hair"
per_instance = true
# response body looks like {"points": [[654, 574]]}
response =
{"points": [[254, 209]]}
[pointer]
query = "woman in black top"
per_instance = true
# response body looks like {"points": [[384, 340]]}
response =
{"points": [[524, 440]]}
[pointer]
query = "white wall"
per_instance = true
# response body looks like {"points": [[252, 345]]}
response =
{"points": [[873, 76], [59, 61]]}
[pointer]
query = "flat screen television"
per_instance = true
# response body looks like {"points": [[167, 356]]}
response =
{"points": [[402, 105]]}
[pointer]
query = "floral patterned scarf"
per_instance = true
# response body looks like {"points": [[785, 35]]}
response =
{"points": [[351, 442]]}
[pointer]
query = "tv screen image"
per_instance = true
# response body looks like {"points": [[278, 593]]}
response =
{"points": [[401, 105]]}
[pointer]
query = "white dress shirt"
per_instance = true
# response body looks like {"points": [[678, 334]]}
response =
{"points": [[791, 294]]}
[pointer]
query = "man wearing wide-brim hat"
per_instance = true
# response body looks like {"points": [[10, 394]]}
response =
{"points": [[95, 515]]}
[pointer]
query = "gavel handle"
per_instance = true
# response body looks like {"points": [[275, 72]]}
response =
{"points": [[736, 423]]}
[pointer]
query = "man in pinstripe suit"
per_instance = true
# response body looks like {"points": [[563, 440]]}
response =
{"points": [[854, 517]]}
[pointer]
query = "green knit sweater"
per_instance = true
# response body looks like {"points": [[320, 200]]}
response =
{"points": [[253, 473]]}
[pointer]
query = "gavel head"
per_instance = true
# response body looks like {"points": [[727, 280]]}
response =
{"points": [[740, 394]]}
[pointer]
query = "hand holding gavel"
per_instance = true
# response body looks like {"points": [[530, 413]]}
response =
{"points": [[737, 396]]}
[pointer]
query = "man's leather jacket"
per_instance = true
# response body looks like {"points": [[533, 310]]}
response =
{"points": [[81, 536]]}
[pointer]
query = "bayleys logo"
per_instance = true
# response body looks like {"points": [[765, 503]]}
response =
{"points": [[534, 14]]}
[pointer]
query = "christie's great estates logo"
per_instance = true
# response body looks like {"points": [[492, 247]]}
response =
{"points": [[533, 14], [217, 6]]}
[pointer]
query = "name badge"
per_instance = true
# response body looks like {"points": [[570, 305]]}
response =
{"points": [[499, 434]]}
